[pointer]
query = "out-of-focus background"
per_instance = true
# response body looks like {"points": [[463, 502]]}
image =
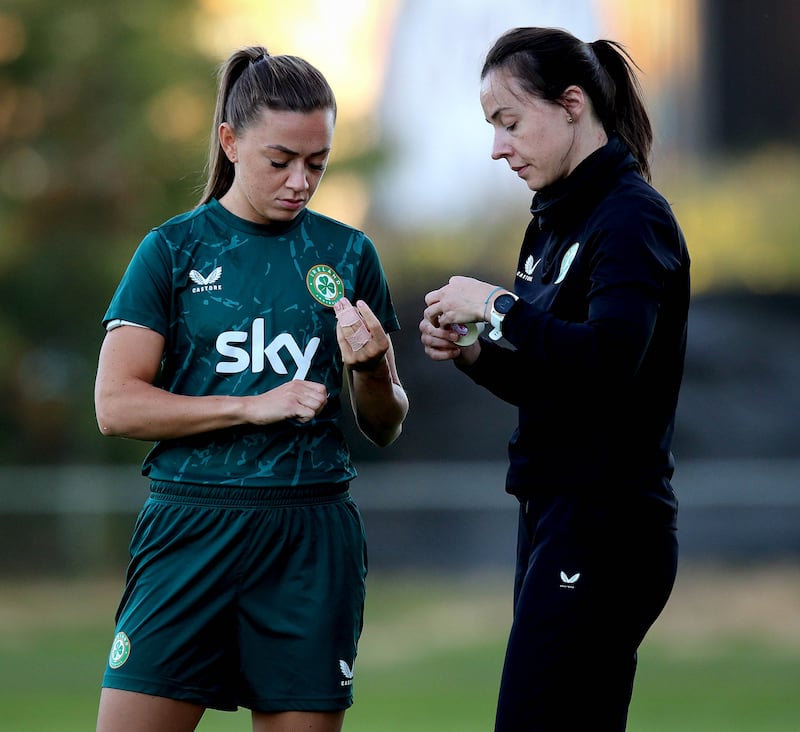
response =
{"points": [[105, 113]]}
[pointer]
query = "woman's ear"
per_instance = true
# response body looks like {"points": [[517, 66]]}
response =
{"points": [[227, 140], [573, 99]]}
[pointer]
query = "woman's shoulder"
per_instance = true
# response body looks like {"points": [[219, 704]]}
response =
{"points": [[325, 221], [338, 233], [634, 201], [183, 219], [635, 219]]}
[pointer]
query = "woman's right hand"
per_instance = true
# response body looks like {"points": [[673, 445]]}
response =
{"points": [[440, 343], [297, 400]]}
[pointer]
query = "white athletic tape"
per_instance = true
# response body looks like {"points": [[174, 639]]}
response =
{"points": [[469, 332]]}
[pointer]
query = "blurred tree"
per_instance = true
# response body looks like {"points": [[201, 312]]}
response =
{"points": [[104, 107]]}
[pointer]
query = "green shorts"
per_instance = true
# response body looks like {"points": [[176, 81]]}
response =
{"points": [[243, 597]]}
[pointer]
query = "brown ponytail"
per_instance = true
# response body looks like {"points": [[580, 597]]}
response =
{"points": [[625, 108], [248, 82]]}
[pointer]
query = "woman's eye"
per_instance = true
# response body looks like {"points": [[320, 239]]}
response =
{"points": [[511, 127], [276, 164], [316, 166]]}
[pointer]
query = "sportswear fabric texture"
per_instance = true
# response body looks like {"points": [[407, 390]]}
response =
{"points": [[247, 597], [244, 308], [593, 360]]}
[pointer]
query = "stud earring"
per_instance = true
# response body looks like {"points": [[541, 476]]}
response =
{"points": [[569, 120]]}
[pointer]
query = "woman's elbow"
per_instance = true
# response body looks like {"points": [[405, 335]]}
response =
{"points": [[106, 424], [109, 420], [384, 432], [382, 437]]}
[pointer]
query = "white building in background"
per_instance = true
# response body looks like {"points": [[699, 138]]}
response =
{"points": [[433, 129]]}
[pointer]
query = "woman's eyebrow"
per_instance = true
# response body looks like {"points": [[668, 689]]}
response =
{"points": [[497, 112], [289, 151]]}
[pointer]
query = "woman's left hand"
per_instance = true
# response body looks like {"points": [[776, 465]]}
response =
{"points": [[362, 339], [461, 300], [379, 401]]}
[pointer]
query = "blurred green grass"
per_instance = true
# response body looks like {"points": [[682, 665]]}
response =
{"points": [[724, 657]]}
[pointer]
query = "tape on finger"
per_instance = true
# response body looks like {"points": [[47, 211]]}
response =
{"points": [[353, 326]]}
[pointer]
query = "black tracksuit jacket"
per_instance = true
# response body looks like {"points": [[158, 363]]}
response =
{"points": [[595, 344]]}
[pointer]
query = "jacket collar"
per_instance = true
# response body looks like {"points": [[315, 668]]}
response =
{"points": [[570, 198]]}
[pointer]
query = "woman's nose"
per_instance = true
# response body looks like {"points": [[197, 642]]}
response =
{"points": [[500, 148], [298, 180]]}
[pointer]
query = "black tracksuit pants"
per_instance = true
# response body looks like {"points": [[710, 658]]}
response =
{"points": [[590, 581]]}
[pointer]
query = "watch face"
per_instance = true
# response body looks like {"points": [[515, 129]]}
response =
{"points": [[503, 303]]}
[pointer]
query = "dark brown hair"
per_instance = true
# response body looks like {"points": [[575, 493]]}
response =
{"points": [[545, 61], [248, 82]]}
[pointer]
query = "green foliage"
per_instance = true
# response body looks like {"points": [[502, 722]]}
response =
{"points": [[104, 108], [741, 220]]}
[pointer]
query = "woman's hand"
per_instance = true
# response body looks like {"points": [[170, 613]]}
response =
{"points": [[296, 400], [461, 300], [362, 339], [440, 343], [379, 401]]}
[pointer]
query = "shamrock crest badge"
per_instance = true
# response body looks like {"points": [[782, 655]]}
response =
{"points": [[325, 285]]}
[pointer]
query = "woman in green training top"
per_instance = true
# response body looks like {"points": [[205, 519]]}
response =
{"points": [[227, 343]]}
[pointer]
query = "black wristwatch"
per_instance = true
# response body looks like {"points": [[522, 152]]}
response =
{"points": [[500, 307]]}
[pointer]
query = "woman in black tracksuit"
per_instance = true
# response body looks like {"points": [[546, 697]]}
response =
{"points": [[590, 348]]}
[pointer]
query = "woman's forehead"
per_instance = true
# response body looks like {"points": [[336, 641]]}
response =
{"points": [[500, 89], [292, 129]]}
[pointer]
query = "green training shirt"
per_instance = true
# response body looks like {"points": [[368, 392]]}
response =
{"points": [[245, 308]]}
